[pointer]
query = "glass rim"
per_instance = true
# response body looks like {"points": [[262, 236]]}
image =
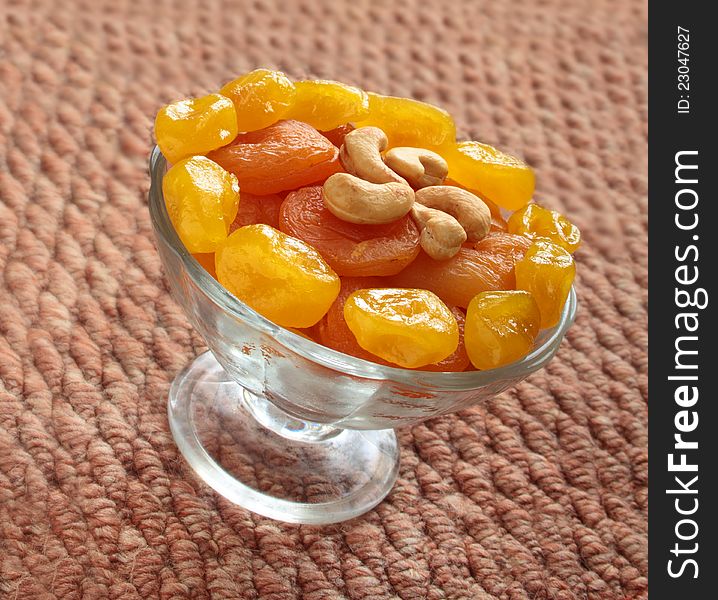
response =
{"points": [[327, 357]]}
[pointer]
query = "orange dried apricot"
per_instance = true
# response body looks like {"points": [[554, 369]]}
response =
{"points": [[498, 225], [283, 156], [410, 328], [277, 275], [488, 266], [195, 126], [547, 271], [501, 243], [408, 122], [328, 104], [333, 331], [201, 199], [535, 221], [336, 136], [261, 97], [493, 174], [351, 249], [501, 327], [302, 333], [257, 209], [206, 259]]}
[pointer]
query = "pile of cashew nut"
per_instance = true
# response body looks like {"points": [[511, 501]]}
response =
{"points": [[380, 189]]}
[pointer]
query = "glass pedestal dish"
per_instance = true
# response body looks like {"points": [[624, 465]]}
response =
{"points": [[288, 428]]}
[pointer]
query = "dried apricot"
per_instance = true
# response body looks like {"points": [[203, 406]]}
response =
{"points": [[547, 271], [336, 136], [408, 122], [195, 126], [495, 175], [261, 97], [201, 199], [501, 243], [333, 331], [283, 156], [410, 328], [328, 104], [498, 225], [501, 327], [535, 221], [257, 209], [488, 266], [351, 249], [302, 333], [277, 275], [206, 259]]}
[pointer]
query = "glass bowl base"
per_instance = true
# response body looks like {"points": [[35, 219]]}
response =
{"points": [[271, 463]]}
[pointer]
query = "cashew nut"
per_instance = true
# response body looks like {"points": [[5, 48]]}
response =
{"points": [[358, 201], [420, 167], [441, 234], [361, 155], [467, 208]]}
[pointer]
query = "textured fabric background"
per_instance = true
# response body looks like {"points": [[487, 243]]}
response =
{"points": [[540, 494]]}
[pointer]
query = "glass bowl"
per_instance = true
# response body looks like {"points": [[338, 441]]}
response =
{"points": [[286, 427]]}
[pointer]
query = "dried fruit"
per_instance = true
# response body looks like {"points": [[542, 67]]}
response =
{"points": [[501, 327], [498, 225], [279, 276], [459, 359], [333, 330], [351, 249], [302, 333], [535, 221], [201, 199], [408, 122], [328, 104], [257, 209], [261, 97], [411, 328], [488, 266], [492, 174], [283, 156], [547, 271], [195, 126], [336, 136], [207, 261], [340, 191]]}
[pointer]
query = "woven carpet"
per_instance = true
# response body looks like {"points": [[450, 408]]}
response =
{"points": [[538, 494]]}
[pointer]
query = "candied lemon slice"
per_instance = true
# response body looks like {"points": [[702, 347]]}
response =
{"points": [[535, 221], [279, 276], [501, 327], [261, 97], [499, 177], [408, 327], [202, 200], [195, 126], [408, 122], [326, 104], [547, 271]]}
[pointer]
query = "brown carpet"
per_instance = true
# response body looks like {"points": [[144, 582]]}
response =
{"points": [[540, 494]]}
